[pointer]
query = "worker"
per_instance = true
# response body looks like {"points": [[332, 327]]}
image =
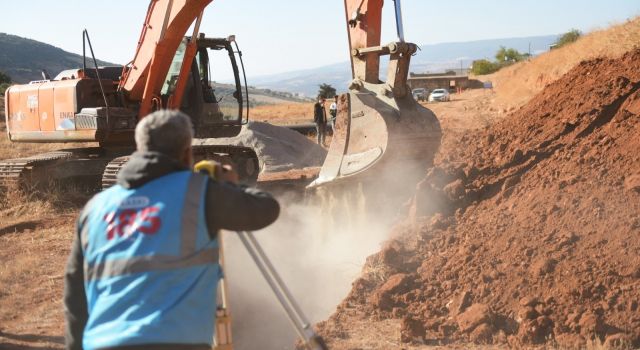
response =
{"points": [[320, 118], [333, 111], [143, 269]]}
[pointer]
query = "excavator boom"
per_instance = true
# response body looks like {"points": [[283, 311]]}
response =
{"points": [[164, 28]]}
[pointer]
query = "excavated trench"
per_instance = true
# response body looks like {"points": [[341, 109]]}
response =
{"points": [[525, 233]]}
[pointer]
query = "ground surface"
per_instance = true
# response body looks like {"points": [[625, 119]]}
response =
{"points": [[36, 232], [525, 233]]}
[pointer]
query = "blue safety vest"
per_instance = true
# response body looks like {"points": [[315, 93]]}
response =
{"points": [[151, 269]]}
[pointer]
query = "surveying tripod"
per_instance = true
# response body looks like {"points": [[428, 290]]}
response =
{"points": [[223, 339]]}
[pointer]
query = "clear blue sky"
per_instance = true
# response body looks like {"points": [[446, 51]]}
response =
{"points": [[283, 35]]}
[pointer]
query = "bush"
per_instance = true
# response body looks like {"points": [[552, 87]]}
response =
{"points": [[509, 55], [3, 88], [482, 67], [5, 82], [4, 79], [568, 37]]}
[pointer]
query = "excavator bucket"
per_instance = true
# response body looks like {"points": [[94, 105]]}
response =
{"points": [[380, 129], [374, 130]]}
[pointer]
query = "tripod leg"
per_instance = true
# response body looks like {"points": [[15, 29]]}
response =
{"points": [[293, 311], [223, 339]]}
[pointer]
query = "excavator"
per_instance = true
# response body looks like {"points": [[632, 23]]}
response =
{"points": [[380, 130], [378, 126]]}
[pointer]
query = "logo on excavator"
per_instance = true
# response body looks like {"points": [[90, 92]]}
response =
{"points": [[32, 102], [65, 115]]}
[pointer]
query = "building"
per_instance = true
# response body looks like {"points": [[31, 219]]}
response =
{"points": [[447, 80]]}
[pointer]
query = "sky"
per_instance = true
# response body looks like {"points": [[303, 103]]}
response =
{"points": [[285, 35]]}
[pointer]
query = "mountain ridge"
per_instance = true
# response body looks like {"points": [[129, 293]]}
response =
{"points": [[23, 59], [430, 58]]}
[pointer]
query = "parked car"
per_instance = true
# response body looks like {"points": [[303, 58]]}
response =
{"points": [[420, 94], [439, 95]]}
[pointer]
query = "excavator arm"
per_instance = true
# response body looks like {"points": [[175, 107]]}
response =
{"points": [[164, 28], [364, 22]]}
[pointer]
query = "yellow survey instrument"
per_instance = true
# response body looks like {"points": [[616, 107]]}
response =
{"points": [[223, 340]]}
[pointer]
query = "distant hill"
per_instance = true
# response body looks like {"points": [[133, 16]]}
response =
{"points": [[257, 96], [430, 58], [23, 59]]}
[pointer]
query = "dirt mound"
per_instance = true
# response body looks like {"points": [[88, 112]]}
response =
{"points": [[517, 84], [278, 148], [526, 232]]}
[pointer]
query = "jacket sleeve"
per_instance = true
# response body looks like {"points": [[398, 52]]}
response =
{"points": [[75, 300], [238, 208]]}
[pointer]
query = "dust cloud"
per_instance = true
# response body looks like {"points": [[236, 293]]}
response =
{"points": [[318, 246]]}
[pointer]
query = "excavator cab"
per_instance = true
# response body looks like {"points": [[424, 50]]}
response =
{"points": [[216, 109]]}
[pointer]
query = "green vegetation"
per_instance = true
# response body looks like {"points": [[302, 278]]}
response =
{"points": [[326, 91], [504, 57], [5, 82], [510, 55], [482, 67], [567, 38]]}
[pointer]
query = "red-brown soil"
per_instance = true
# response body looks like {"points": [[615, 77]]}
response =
{"points": [[526, 232]]}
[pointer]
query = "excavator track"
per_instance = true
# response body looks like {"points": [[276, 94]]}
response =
{"points": [[81, 166], [31, 170], [109, 177], [244, 160]]}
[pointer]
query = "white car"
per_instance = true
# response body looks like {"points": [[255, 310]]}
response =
{"points": [[439, 95]]}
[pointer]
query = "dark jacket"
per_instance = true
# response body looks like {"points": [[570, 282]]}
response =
{"points": [[319, 114], [227, 206]]}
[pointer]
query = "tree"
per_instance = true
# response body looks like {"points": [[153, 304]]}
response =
{"points": [[482, 67], [5, 82], [326, 91], [509, 55], [568, 37]]}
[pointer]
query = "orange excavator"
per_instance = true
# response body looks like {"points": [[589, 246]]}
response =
{"points": [[378, 123]]}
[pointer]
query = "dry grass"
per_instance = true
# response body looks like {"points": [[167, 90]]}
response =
{"points": [[36, 229], [517, 84], [284, 114]]}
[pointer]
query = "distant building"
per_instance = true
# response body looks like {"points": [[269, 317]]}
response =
{"points": [[447, 80]]}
